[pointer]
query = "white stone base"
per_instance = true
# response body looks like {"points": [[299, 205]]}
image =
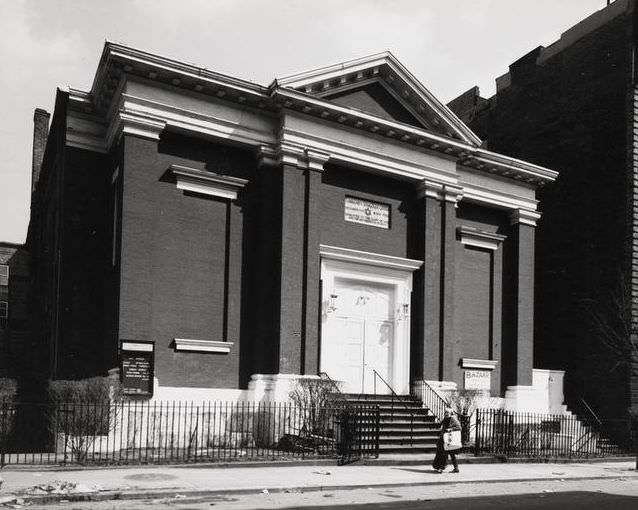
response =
{"points": [[273, 387], [550, 384], [523, 399], [545, 396], [188, 394]]}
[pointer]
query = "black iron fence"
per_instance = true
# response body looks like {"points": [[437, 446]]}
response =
{"points": [[132, 432], [541, 435]]}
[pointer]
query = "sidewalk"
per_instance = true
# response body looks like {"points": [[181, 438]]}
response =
{"points": [[161, 481]]}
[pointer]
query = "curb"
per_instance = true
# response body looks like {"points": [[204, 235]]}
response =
{"points": [[173, 493]]}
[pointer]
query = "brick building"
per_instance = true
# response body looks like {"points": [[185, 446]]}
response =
{"points": [[573, 106], [213, 238], [14, 311]]}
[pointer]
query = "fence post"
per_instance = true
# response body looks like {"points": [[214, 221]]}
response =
{"points": [[3, 438], [477, 434]]}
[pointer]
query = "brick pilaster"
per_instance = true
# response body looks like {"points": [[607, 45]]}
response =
{"points": [[524, 230]]}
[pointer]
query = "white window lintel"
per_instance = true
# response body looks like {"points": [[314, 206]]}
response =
{"points": [[481, 364], [194, 344], [207, 183]]}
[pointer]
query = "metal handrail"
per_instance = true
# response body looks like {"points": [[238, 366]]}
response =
{"points": [[434, 402], [591, 412], [394, 394], [592, 427]]}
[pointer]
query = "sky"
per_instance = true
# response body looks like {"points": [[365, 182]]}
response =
{"points": [[449, 45]]}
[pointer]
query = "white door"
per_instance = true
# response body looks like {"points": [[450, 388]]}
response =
{"points": [[358, 334]]}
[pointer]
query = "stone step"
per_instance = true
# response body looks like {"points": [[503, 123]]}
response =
{"points": [[407, 449], [395, 432]]}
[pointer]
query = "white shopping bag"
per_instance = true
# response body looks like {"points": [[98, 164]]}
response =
{"points": [[452, 440]]}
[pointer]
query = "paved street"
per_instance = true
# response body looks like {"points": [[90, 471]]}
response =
{"points": [[584, 485], [607, 494]]}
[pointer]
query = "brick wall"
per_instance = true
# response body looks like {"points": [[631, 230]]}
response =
{"points": [[174, 260]]}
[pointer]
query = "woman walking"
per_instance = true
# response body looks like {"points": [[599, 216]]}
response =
{"points": [[449, 424]]}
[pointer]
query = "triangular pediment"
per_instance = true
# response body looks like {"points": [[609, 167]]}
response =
{"points": [[376, 99], [380, 85]]}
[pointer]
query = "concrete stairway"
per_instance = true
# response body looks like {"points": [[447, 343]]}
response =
{"points": [[405, 426]]}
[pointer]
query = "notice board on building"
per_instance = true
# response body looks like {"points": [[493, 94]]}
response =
{"points": [[137, 366], [366, 212], [477, 380]]}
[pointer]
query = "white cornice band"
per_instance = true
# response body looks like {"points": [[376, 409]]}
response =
{"points": [[368, 258], [252, 116], [207, 183]]}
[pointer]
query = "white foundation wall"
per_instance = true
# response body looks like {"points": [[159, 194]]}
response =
{"points": [[544, 396]]}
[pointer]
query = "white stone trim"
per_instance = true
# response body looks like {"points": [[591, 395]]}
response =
{"points": [[183, 120], [368, 159], [368, 258], [207, 183], [193, 344], [522, 168], [440, 191], [495, 198], [197, 394], [316, 160], [474, 237], [524, 217], [274, 387], [480, 364], [128, 345]]}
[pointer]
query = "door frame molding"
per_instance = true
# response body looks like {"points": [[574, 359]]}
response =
{"points": [[370, 267]]}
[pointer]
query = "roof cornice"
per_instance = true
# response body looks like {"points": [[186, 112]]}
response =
{"points": [[114, 51], [104, 104]]}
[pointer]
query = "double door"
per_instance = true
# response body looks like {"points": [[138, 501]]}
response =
{"points": [[358, 335]]}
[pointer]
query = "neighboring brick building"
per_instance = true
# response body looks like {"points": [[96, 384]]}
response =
{"points": [[228, 237], [14, 312], [574, 106]]}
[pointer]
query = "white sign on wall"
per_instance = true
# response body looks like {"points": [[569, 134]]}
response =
{"points": [[367, 212], [477, 379]]}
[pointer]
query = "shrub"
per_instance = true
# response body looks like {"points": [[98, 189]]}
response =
{"points": [[464, 404], [82, 411], [95, 390], [8, 389], [313, 397]]}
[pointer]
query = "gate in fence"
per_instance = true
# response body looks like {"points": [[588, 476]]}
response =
{"points": [[173, 432]]}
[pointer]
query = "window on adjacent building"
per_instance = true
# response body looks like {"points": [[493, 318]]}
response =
{"points": [[4, 309], [4, 274]]}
